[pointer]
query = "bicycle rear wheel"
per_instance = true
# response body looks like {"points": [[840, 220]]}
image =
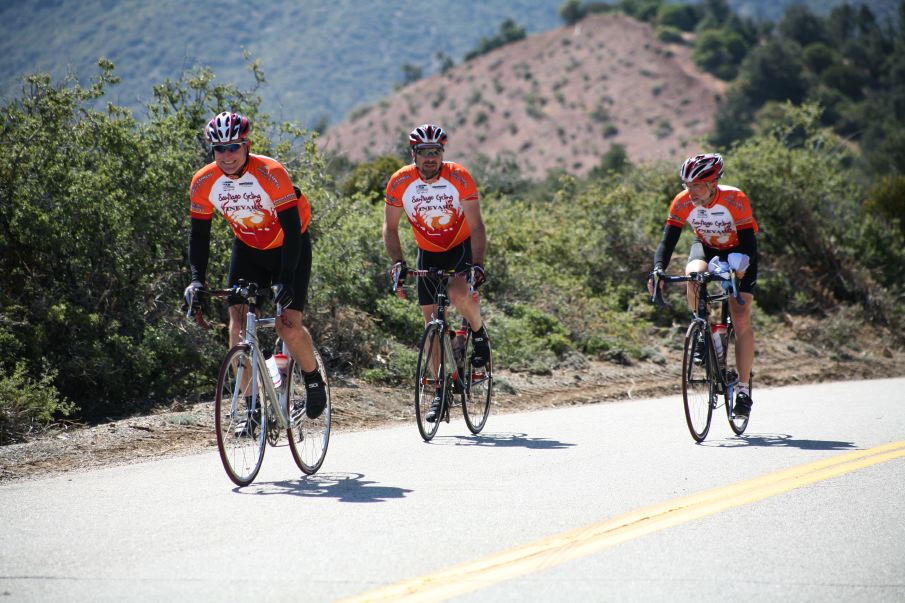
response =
{"points": [[697, 387], [241, 430], [308, 438], [738, 424], [478, 389], [428, 380]]}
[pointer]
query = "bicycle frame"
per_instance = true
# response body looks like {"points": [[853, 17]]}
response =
{"points": [[279, 401], [439, 319], [701, 314]]}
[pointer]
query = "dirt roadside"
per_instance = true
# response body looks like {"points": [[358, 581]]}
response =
{"points": [[180, 430]]}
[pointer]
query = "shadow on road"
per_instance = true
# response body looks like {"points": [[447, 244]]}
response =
{"points": [[501, 440], [780, 440], [344, 487]]}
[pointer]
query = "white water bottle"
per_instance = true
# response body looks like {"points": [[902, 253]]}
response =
{"points": [[718, 332], [275, 373]]}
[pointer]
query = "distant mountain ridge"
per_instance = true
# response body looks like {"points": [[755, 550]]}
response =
{"points": [[559, 99], [321, 59]]}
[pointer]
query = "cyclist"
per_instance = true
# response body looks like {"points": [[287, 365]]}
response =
{"points": [[723, 223], [442, 204], [269, 217]]}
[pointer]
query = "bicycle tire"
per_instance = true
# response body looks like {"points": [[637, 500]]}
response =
{"points": [[428, 380], [308, 438], [478, 389], [241, 432], [697, 385], [737, 424]]}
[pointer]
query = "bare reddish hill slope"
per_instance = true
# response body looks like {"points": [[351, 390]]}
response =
{"points": [[559, 99]]}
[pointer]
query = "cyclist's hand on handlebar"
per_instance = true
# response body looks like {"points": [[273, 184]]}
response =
{"points": [[398, 272], [655, 275], [478, 276], [194, 298], [283, 294]]}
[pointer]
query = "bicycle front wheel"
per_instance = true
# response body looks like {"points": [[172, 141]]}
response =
{"points": [[738, 424], [697, 388], [429, 381], [478, 389], [241, 429], [308, 438]]}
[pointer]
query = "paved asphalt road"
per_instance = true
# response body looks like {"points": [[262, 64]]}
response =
{"points": [[603, 502]]}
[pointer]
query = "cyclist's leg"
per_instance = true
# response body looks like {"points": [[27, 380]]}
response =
{"points": [[744, 329], [426, 288], [243, 265], [458, 259], [697, 262], [290, 326]]}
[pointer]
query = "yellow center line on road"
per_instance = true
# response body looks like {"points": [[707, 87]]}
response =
{"points": [[536, 556]]}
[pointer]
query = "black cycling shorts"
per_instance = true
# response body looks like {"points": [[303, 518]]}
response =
{"points": [[261, 266], [458, 258], [699, 251]]}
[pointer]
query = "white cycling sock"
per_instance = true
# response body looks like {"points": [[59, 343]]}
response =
{"points": [[744, 389]]}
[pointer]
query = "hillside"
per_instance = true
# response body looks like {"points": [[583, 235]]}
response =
{"points": [[321, 59], [559, 99]]}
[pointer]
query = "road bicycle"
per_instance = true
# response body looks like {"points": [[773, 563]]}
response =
{"points": [[444, 364], [248, 382], [707, 377]]}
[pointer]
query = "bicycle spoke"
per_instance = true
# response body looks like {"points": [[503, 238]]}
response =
{"points": [[737, 424], [478, 389], [308, 438], [428, 382], [697, 389], [241, 426]]}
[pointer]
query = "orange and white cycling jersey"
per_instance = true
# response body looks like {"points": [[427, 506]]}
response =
{"points": [[434, 209], [717, 225], [250, 202]]}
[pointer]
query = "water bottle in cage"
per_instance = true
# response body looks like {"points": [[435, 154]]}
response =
{"points": [[458, 346], [718, 333], [277, 365]]}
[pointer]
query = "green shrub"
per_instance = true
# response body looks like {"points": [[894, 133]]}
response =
{"points": [[28, 403]]}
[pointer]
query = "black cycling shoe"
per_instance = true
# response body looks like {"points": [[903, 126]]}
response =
{"points": [[316, 396], [434, 410], [481, 351], [742, 408]]}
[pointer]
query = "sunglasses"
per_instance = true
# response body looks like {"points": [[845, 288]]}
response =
{"points": [[429, 152], [231, 148]]}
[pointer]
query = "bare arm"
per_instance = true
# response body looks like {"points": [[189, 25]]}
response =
{"points": [[478, 233]]}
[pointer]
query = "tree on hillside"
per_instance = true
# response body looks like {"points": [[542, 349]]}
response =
{"points": [[800, 24], [719, 52], [681, 16], [509, 32], [774, 71], [572, 12]]}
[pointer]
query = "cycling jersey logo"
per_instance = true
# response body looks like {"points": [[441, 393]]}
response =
{"points": [[459, 178], [199, 182], [434, 212], [266, 174]]}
